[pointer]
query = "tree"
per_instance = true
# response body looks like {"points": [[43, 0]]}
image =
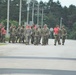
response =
{"points": [[73, 32]]}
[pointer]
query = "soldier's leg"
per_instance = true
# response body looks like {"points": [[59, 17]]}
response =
{"points": [[3, 38], [39, 39], [59, 40], [23, 39], [43, 38], [13, 39], [47, 38], [10, 38], [55, 41], [35, 40], [17, 38], [20, 37], [63, 40], [26, 40], [32, 39], [0, 37]]}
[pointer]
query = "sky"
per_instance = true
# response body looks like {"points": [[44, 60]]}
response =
{"points": [[63, 2]]}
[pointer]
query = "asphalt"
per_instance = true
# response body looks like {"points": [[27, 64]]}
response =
{"points": [[21, 59]]}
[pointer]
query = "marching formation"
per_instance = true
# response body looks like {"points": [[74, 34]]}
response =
{"points": [[33, 34]]}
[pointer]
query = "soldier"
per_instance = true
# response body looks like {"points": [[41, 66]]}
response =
{"points": [[10, 31], [0, 34], [3, 33], [27, 33], [22, 34], [39, 29], [18, 32], [64, 34], [32, 34], [13, 34], [36, 37], [45, 35], [57, 35]]}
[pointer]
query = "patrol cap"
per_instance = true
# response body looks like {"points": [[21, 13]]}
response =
{"points": [[63, 26], [57, 25], [45, 25]]}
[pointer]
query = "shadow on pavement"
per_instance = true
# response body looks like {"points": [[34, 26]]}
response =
{"points": [[49, 58], [36, 71]]}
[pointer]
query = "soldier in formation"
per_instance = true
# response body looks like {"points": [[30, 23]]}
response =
{"points": [[59, 33], [2, 34], [12, 34], [63, 34], [33, 34], [45, 35]]}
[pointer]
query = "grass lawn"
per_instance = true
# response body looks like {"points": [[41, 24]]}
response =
{"points": [[2, 44]]}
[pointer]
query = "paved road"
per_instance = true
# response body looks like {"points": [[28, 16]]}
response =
{"points": [[21, 59]]}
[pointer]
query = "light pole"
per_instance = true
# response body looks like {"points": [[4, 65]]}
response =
{"points": [[61, 22], [28, 1], [8, 4], [33, 12], [42, 17], [38, 14], [20, 12]]}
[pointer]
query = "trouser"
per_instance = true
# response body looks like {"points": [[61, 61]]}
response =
{"points": [[13, 39], [3, 38], [32, 39], [57, 39], [18, 37], [63, 39], [10, 38], [27, 39], [0, 38], [47, 39], [36, 40], [39, 39], [44, 40]]}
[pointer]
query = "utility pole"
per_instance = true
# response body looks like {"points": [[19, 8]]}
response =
{"points": [[38, 14], [42, 18], [61, 22], [33, 12], [20, 12], [8, 4], [28, 1]]}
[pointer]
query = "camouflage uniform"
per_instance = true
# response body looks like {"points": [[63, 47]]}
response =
{"points": [[10, 31], [18, 32], [22, 34], [13, 34], [3, 33], [32, 34], [45, 35], [0, 34], [27, 33], [57, 35], [36, 37], [64, 34], [39, 29]]}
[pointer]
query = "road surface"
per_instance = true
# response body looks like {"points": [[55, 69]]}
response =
{"points": [[21, 59]]}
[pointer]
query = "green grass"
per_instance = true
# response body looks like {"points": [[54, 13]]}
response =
{"points": [[1, 44]]}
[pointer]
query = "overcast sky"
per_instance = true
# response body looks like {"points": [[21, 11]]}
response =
{"points": [[64, 2]]}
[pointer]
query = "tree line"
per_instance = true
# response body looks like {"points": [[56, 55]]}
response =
{"points": [[53, 12]]}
